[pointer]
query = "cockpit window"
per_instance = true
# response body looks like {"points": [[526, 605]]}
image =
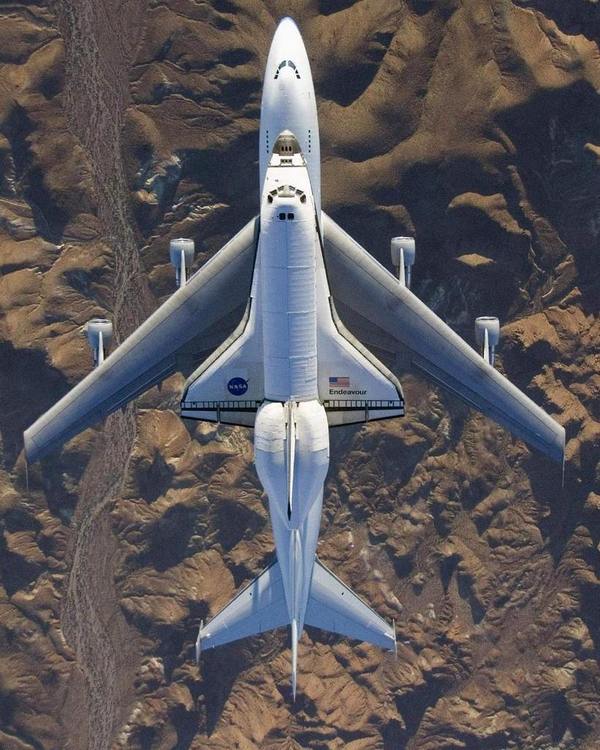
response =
{"points": [[283, 64]]}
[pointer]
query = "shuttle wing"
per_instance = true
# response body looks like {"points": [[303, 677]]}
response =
{"points": [[354, 385], [229, 386], [373, 294], [174, 338]]}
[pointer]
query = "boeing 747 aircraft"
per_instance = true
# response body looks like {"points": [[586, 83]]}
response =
{"points": [[291, 369]]}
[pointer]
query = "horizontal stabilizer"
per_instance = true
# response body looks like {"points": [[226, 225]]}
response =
{"points": [[335, 607], [257, 608]]}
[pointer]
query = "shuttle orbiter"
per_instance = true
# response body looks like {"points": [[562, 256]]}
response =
{"points": [[290, 369]]}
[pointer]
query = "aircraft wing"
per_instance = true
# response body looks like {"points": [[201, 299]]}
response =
{"points": [[174, 338], [372, 293]]}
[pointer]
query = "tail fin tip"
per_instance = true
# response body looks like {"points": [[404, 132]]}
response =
{"points": [[294, 658]]}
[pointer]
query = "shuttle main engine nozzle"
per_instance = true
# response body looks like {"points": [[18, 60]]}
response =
{"points": [[403, 258], [182, 253], [487, 336], [99, 333]]}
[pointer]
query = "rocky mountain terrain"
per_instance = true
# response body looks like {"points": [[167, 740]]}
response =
{"points": [[475, 125]]}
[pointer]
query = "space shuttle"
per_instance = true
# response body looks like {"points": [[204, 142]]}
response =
{"points": [[287, 365]]}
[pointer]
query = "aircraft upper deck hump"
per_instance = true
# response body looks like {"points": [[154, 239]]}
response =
{"points": [[288, 103]]}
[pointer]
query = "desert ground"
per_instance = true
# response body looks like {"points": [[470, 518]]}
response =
{"points": [[472, 124]]}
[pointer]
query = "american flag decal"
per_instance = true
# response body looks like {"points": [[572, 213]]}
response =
{"points": [[339, 382]]}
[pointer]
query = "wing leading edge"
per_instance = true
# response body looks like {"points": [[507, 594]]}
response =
{"points": [[180, 333], [364, 286]]}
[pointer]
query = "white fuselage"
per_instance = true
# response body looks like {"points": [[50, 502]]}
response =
{"points": [[288, 103], [291, 434]]}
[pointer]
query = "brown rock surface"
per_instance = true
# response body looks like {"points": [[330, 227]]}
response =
{"points": [[474, 124]]}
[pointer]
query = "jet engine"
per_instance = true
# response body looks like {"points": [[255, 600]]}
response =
{"points": [[403, 257], [487, 336], [182, 256], [98, 332]]}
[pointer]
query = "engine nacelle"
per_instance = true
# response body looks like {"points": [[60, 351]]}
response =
{"points": [[487, 336], [182, 253], [99, 333], [404, 252]]}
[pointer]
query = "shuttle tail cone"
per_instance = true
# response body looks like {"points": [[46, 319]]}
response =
{"points": [[294, 657]]}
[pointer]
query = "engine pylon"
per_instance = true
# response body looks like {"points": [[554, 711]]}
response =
{"points": [[403, 250], [487, 336], [181, 252], [99, 333]]}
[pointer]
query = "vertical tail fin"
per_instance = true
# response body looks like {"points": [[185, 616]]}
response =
{"points": [[294, 657], [290, 452]]}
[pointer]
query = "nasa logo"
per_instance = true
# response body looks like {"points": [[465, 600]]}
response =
{"points": [[237, 386]]}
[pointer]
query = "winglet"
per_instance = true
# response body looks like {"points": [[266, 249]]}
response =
{"points": [[294, 657], [199, 642]]}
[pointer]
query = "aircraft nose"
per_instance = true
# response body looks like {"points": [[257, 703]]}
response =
{"points": [[287, 57], [287, 41], [287, 31]]}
